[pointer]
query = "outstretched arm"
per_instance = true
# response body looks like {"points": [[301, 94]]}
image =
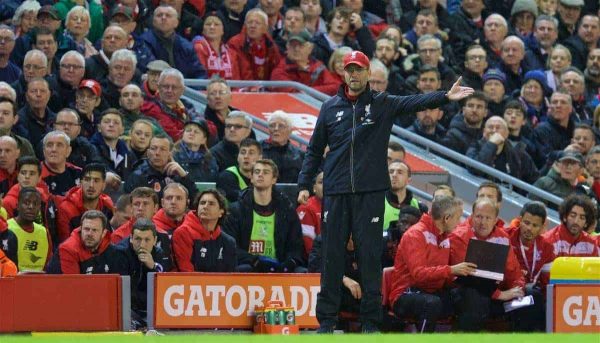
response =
{"points": [[457, 92]]}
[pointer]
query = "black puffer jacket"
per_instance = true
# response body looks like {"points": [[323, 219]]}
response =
{"points": [[460, 137]]}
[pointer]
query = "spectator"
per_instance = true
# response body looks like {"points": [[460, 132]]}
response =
{"points": [[190, 21], [167, 45], [408, 217], [25, 17], [79, 199], [410, 18], [199, 243], [494, 88], [480, 297], [37, 64], [8, 119], [466, 26], [142, 256], [560, 59], [556, 133], [235, 179], [278, 246], [174, 207], [310, 215], [123, 211], [82, 151], [577, 212], [299, 66], [386, 51], [421, 268], [170, 110], [9, 153], [77, 27], [280, 149], [192, 153], [336, 64], [72, 66], [426, 125], [87, 103], [535, 256], [378, 80], [512, 54], [495, 29], [539, 46], [398, 195], [159, 169], [548, 7], [374, 23], [395, 152], [425, 23], [88, 249], [57, 173], [140, 135], [312, 10], [35, 118], [592, 78], [522, 17], [130, 102], [520, 134], [125, 18], [429, 80], [150, 85], [6, 91], [238, 126], [113, 39], [533, 96], [467, 127], [494, 151], [584, 138], [272, 9], [95, 20], [293, 24], [34, 246], [568, 15], [430, 53], [113, 151], [233, 13], [257, 53], [29, 176], [9, 71], [213, 52], [338, 35], [475, 66], [218, 98], [121, 71], [573, 80], [565, 181], [592, 165]]}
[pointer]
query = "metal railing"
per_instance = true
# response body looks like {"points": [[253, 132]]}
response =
{"points": [[503, 177]]}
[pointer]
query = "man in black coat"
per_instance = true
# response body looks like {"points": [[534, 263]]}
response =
{"points": [[466, 128], [356, 125], [265, 226], [238, 126], [585, 40]]}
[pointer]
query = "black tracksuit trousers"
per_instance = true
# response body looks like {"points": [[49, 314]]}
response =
{"points": [[359, 214]]}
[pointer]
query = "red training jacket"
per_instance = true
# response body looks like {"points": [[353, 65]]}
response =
{"points": [[72, 252], [565, 244], [165, 223], [184, 237], [310, 219], [421, 260], [543, 258]]}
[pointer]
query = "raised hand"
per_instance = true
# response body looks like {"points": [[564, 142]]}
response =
{"points": [[457, 92]]}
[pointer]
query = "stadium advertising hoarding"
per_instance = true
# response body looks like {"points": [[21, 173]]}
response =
{"points": [[576, 308], [215, 300]]}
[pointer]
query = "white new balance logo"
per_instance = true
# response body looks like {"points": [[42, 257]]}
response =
{"points": [[375, 220]]}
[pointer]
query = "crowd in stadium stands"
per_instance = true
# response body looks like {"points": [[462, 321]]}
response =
{"points": [[91, 106]]}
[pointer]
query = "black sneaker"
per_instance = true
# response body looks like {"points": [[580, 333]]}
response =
{"points": [[326, 328], [369, 328]]}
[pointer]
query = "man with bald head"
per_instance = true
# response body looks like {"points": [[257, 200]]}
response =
{"points": [[169, 46], [494, 150], [9, 153], [113, 39], [512, 52]]}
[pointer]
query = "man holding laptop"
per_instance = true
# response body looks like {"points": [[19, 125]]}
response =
{"points": [[481, 297]]}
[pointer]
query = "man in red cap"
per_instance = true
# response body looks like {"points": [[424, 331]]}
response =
{"points": [[356, 125], [87, 99]]}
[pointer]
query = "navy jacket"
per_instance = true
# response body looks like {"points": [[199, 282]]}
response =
{"points": [[358, 135], [183, 53]]}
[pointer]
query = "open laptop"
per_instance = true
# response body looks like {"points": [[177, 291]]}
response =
{"points": [[490, 258]]}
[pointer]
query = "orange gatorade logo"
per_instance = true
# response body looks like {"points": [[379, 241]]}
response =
{"points": [[214, 300], [577, 308]]}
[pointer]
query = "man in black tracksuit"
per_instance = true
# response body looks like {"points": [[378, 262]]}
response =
{"points": [[356, 125]]}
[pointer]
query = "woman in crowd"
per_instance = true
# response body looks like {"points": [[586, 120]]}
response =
{"points": [[559, 60], [199, 244], [213, 53], [25, 17], [77, 26], [533, 97], [192, 153], [335, 65]]}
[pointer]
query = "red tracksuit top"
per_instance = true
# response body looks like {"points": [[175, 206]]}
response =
{"points": [[165, 223], [421, 260], [459, 240], [71, 209], [565, 244], [310, 219], [72, 252], [543, 259]]}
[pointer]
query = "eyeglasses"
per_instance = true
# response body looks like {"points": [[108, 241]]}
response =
{"points": [[71, 66], [428, 51], [277, 126], [6, 39], [33, 67], [216, 93], [66, 124], [235, 126]]}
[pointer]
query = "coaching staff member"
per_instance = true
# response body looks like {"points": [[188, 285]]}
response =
{"points": [[356, 125]]}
